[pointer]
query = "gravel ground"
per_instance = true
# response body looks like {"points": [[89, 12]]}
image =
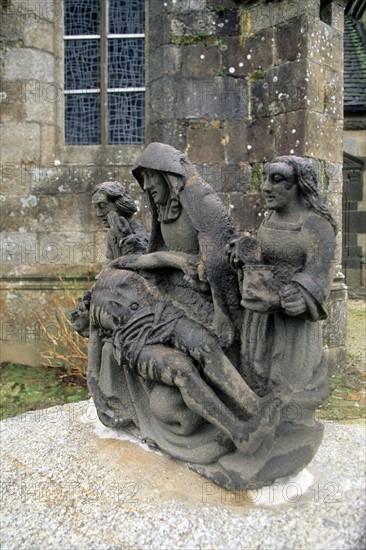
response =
{"points": [[69, 483]]}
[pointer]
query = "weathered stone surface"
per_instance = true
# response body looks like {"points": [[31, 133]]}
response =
{"points": [[307, 37], [48, 143], [333, 14], [295, 86], [159, 31], [12, 179], [100, 155], [251, 141], [168, 106], [206, 145], [12, 103], [46, 212], [237, 142], [226, 178], [219, 5], [295, 45], [200, 60], [164, 61], [40, 100], [227, 22], [248, 207], [18, 248], [333, 171], [38, 32], [172, 131], [260, 140], [325, 90], [290, 133], [336, 324], [35, 64], [261, 16], [305, 133], [323, 42], [188, 25], [52, 178], [162, 8], [44, 249], [20, 143], [214, 98], [319, 128], [284, 88], [254, 53]]}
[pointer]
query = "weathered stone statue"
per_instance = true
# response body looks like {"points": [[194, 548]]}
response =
{"points": [[207, 346], [285, 276], [115, 206]]}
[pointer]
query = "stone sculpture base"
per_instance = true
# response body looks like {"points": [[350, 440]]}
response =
{"points": [[237, 471], [284, 452]]}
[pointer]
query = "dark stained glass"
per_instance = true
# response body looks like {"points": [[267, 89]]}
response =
{"points": [[126, 63], [82, 60], [127, 16], [82, 119], [82, 16], [126, 117]]}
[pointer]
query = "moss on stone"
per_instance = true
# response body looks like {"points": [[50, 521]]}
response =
{"points": [[326, 98], [256, 177], [5, 4], [200, 38], [219, 10], [197, 124], [244, 25], [257, 75], [204, 124], [324, 175]]}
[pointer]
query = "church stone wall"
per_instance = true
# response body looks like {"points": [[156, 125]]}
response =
{"points": [[51, 239], [230, 83]]}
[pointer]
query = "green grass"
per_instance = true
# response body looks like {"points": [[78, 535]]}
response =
{"points": [[347, 397], [26, 388]]}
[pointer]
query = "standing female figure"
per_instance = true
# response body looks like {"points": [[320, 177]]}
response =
{"points": [[286, 276]]}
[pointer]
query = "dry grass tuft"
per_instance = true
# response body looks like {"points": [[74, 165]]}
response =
{"points": [[63, 348]]}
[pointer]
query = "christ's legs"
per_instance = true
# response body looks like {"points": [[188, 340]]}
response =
{"points": [[173, 368], [205, 348]]}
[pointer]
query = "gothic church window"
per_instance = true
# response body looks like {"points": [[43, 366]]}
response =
{"points": [[104, 86]]}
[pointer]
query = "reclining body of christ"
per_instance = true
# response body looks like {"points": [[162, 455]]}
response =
{"points": [[160, 343]]}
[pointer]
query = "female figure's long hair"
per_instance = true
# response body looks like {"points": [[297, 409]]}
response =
{"points": [[308, 183]]}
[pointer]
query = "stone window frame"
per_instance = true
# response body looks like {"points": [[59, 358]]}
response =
{"points": [[104, 36]]}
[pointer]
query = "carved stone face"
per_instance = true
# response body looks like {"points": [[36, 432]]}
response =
{"points": [[279, 189], [156, 185], [80, 319], [103, 206]]}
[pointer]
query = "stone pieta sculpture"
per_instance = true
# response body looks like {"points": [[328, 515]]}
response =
{"points": [[208, 346]]}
